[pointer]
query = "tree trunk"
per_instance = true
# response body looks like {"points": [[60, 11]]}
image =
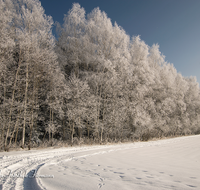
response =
{"points": [[88, 130], [16, 124], [34, 103], [13, 95], [101, 134], [72, 139], [16, 135], [44, 135], [102, 120], [4, 116], [31, 130], [52, 130], [50, 126], [79, 128], [63, 126], [25, 106]]}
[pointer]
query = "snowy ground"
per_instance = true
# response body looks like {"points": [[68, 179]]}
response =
{"points": [[164, 164]]}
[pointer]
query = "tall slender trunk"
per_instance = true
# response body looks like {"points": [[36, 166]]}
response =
{"points": [[34, 103], [4, 115], [79, 128], [50, 126], [52, 130], [44, 135], [114, 116], [98, 106], [63, 126], [103, 119], [88, 129], [31, 129], [16, 124], [16, 135], [98, 111], [101, 135], [25, 106], [12, 101], [72, 133], [27, 83]]}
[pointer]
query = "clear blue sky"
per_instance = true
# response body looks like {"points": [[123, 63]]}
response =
{"points": [[173, 24]]}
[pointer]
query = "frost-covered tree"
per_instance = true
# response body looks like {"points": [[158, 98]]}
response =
{"points": [[6, 51], [136, 93], [33, 32], [77, 103], [95, 84], [34, 60], [69, 44], [192, 100]]}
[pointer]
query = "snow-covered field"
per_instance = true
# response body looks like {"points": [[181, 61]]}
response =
{"points": [[163, 164]]}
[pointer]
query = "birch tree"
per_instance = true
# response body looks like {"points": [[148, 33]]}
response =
{"points": [[77, 104], [135, 92], [69, 44], [34, 58], [6, 50]]}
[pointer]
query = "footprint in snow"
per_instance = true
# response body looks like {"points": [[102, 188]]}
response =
{"points": [[118, 173], [122, 176], [150, 177], [100, 185], [97, 174], [191, 186], [104, 169], [101, 179]]}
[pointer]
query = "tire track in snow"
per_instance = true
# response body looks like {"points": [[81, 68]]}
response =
{"points": [[16, 170], [27, 162]]}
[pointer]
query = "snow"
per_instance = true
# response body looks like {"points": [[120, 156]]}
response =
{"points": [[163, 164]]}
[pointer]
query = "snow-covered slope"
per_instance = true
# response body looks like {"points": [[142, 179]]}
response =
{"points": [[164, 164]]}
